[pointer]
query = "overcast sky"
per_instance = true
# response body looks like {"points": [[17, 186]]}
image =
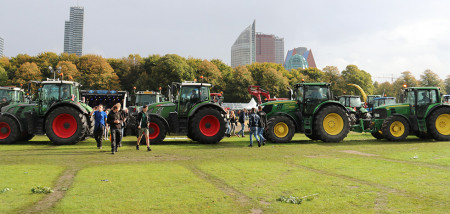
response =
{"points": [[382, 37]]}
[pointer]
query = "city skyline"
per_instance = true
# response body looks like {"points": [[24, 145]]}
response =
{"points": [[383, 38], [2, 45], [73, 31]]}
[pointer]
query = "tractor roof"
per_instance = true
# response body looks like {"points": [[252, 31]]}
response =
{"points": [[149, 92], [421, 88], [314, 84], [52, 81], [192, 83], [351, 96], [384, 98], [11, 88], [374, 95]]}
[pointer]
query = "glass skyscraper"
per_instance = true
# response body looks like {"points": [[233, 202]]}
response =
{"points": [[1, 46], [243, 51], [73, 31]]}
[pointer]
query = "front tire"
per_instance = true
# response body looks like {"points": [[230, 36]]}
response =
{"points": [[66, 125], [280, 129], [438, 124], [331, 124], [9, 130], [395, 128], [157, 130], [377, 135], [208, 126]]}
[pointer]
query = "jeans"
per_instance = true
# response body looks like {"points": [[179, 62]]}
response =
{"points": [[242, 129], [121, 136], [260, 134], [233, 128], [98, 134], [253, 131], [115, 137], [227, 131]]}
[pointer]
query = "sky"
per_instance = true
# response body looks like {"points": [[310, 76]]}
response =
{"points": [[382, 37]]}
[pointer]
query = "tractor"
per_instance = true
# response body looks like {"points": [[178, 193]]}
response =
{"points": [[141, 98], [354, 107], [57, 112], [313, 112], [11, 95], [381, 101], [189, 111], [421, 112], [446, 99]]}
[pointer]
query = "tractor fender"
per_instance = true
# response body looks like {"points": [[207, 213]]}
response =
{"points": [[75, 105], [6, 114], [323, 105], [158, 116], [213, 105], [435, 108], [296, 122]]}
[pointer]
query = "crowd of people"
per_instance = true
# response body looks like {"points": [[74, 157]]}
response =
{"points": [[113, 122], [257, 121]]}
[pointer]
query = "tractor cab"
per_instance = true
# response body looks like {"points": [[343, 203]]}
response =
{"points": [[190, 94], [446, 99], [53, 91], [350, 101], [381, 101], [11, 95], [217, 98], [420, 99], [310, 95], [148, 97]]}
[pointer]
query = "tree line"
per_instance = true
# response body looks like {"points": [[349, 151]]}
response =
{"points": [[155, 71]]}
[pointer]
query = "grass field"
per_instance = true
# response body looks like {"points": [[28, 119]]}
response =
{"points": [[359, 175]]}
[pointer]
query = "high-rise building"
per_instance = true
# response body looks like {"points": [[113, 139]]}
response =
{"points": [[244, 48], [1, 46], [299, 58], [269, 48], [73, 31]]}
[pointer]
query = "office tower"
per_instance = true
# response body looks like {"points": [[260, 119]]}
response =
{"points": [[243, 50], [73, 31], [269, 48], [2, 43], [299, 58]]}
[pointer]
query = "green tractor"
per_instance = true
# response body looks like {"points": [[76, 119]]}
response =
{"points": [[11, 95], [355, 108], [421, 112], [141, 98], [57, 112], [190, 111], [313, 112]]}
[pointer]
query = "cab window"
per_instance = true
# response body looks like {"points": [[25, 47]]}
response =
{"points": [[300, 94], [410, 97], [317, 92], [426, 96]]}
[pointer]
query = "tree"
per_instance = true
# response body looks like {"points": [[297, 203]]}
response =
{"points": [[128, 69], [69, 70], [333, 76], [3, 76], [26, 72], [429, 78], [212, 75], [312, 74], [237, 84], [46, 59], [386, 88], [171, 68], [447, 84], [407, 78], [270, 77], [352, 74], [97, 73]]}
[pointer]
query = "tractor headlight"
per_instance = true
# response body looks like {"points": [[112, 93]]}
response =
{"points": [[376, 115]]}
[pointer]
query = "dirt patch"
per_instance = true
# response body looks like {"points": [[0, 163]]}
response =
{"points": [[63, 183], [358, 153], [256, 211]]}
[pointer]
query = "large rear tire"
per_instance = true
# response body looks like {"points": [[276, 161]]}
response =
{"points": [[395, 128], [66, 125], [280, 129], [157, 130], [331, 124], [312, 136], [438, 124], [9, 130], [208, 126], [425, 136], [377, 135]]}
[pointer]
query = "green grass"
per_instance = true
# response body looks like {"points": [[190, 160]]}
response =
{"points": [[359, 175]]}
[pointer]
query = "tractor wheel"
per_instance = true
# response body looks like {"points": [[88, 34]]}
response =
{"points": [[377, 135], [9, 130], [280, 129], [157, 130], [438, 124], [208, 126], [91, 123], [312, 136], [395, 128], [66, 125], [191, 135], [331, 124]]}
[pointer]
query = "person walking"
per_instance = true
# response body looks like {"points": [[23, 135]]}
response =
{"points": [[115, 123], [124, 114], [233, 123], [100, 124], [142, 122], [261, 125], [228, 125], [242, 122], [253, 121]]}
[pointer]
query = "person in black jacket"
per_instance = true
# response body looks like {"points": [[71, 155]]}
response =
{"points": [[142, 123], [253, 121], [115, 121], [124, 114], [242, 121], [261, 125]]}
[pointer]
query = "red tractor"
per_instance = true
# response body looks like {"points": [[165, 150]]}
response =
{"points": [[257, 91]]}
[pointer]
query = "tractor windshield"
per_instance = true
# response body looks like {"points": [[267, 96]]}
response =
{"points": [[8, 96], [146, 99], [446, 99], [316, 93], [53, 92], [355, 102], [426, 97]]}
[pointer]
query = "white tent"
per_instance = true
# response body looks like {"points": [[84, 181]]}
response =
{"points": [[238, 106]]}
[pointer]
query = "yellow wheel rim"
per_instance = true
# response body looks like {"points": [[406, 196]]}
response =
{"points": [[333, 124], [397, 129], [281, 129], [443, 124]]}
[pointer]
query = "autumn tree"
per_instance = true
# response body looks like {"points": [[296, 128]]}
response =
{"points": [[352, 74], [128, 69], [447, 84], [3, 76], [236, 85], [270, 77], [26, 72], [385, 88], [331, 74], [96, 73], [69, 70], [44, 60], [429, 78], [211, 74], [170, 68], [312, 74]]}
